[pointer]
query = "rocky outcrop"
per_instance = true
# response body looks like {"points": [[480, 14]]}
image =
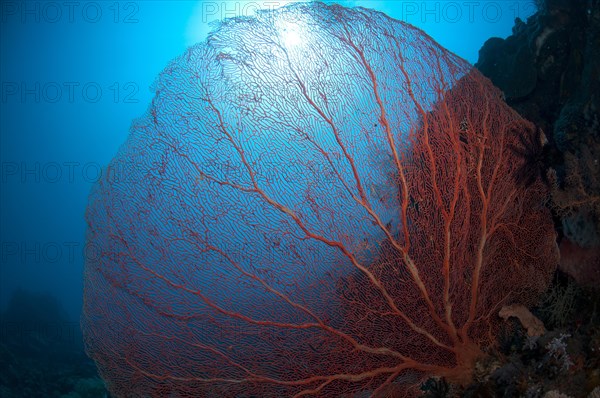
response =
{"points": [[549, 71]]}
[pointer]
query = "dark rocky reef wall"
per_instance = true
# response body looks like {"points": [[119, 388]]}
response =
{"points": [[549, 71]]}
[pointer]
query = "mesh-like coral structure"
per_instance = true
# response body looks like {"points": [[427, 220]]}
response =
{"points": [[320, 201]]}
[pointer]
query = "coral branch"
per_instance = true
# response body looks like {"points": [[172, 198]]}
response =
{"points": [[337, 216]]}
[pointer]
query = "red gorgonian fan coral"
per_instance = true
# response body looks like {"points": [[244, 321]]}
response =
{"points": [[320, 201]]}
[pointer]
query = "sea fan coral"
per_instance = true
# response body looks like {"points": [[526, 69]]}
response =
{"points": [[324, 216]]}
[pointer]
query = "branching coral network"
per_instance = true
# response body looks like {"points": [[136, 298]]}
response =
{"points": [[329, 216]]}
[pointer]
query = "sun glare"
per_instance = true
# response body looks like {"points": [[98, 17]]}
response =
{"points": [[291, 35], [205, 12]]}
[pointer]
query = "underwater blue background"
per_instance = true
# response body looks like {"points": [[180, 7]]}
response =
{"points": [[74, 76]]}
